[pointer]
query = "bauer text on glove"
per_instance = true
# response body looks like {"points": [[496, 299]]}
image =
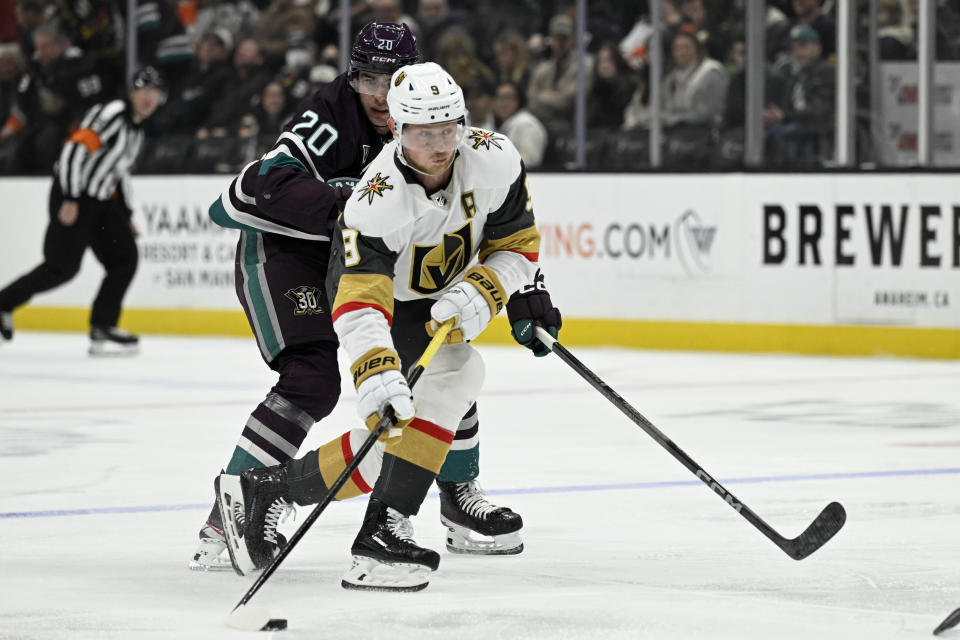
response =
{"points": [[379, 383], [473, 301]]}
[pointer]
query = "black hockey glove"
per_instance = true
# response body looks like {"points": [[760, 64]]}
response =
{"points": [[342, 194], [531, 306]]}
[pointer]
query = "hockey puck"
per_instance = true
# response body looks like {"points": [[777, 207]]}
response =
{"points": [[275, 624]]}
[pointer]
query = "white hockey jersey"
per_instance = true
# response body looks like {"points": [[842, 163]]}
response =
{"points": [[400, 243]]}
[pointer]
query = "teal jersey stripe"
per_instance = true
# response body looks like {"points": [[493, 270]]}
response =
{"points": [[282, 160], [255, 297], [221, 218]]}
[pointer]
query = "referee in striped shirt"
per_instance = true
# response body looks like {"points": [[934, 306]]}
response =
{"points": [[89, 208]]}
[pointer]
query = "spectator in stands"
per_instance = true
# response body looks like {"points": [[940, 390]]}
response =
{"points": [[613, 87], [192, 97], [434, 17], [282, 22], [734, 114], [553, 83], [11, 68], [811, 15], [730, 143], [479, 99], [162, 40], [238, 17], [262, 125], [96, 28], [512, 58], [392, 11], [30, 15], [894, 32], [299, 60], [52, 97], [242, 92], [800, 130], [456, 52], [694, 92], [707, 25], [527, 133]]}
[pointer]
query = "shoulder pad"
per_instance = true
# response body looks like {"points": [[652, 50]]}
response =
{"points": [[380, 203], [492, 153]]}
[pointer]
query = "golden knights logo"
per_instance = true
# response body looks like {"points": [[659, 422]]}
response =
{"points": [[433, 267], [375, 187], [306, 300], [484, 139]]}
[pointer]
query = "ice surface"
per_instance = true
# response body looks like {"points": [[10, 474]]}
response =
{"points": [[108, 466]]}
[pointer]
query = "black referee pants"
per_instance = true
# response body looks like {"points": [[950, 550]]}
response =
{"points": [[104, 226]]}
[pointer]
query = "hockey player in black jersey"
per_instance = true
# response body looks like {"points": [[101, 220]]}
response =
{"points": [[285, 205], [438, 198]]}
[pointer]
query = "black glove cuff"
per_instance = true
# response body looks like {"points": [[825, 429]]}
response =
{"points": [[535, 305]]}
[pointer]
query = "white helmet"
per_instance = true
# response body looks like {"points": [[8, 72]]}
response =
{"points": [[424, 94]]}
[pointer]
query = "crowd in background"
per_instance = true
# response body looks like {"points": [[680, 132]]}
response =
{"points": [[236, 70]]}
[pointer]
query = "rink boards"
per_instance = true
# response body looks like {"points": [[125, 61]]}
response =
{"points": [[809, 263]]}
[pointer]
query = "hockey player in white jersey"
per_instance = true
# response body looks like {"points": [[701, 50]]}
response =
{"points": [[440, 226]]}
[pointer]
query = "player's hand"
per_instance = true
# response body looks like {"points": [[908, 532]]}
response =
{"points": [[343, 193], [68, 212], [473, 302], [378, 391], [529, 307]]}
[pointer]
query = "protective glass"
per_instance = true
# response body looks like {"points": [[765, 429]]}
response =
{"points": [[435, 138], [373, 84]]}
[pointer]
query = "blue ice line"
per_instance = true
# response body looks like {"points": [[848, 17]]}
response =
{"points": [[53, 513]]}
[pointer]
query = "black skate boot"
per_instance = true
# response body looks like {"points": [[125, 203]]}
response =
{"points": [[6, 325], [111, 341], [385, 557], [476, 526], [252, 506]]}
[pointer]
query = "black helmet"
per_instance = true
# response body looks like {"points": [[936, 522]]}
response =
{"points": [[147, 77], [383, 47]]}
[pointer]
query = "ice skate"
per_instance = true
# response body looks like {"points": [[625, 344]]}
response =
{"points": [[476, 526], [211, 553], [6, 325], [385, 557], [111, 341], [252, 506]]}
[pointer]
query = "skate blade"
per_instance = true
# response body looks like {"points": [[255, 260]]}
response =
{"points": [[211, 555], [99, 350], [217, 565], [227, 487], [210, 568], [368, 574], [468, 542]]}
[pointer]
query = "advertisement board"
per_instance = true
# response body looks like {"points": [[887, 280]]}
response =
{"points": [[738, 252]]}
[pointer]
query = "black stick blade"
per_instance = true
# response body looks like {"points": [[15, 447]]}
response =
{"points": [[949, 622], [824, 527]]}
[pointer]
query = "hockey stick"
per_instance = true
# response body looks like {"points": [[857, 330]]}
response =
{"points": [[824, 527], [259, 618], [948, 623]]}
